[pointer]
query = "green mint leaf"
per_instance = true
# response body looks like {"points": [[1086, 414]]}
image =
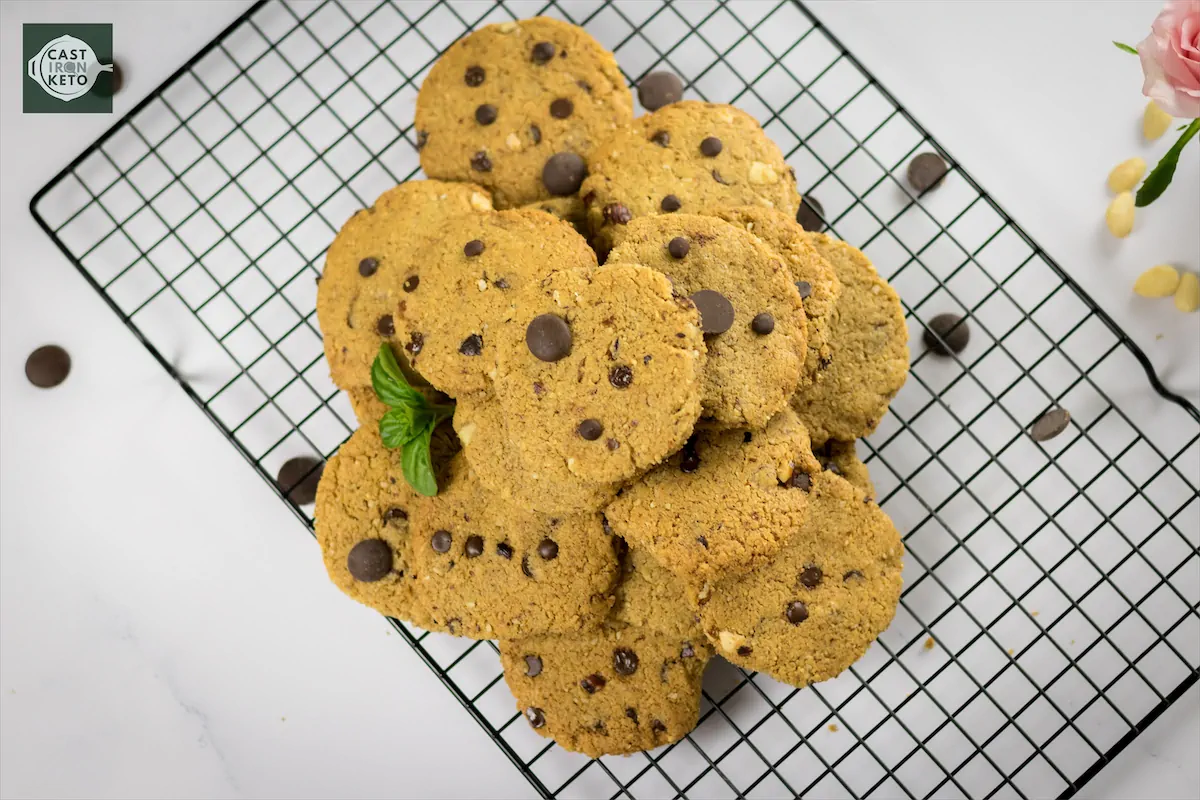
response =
{"points": [[391, 387], [1160, 177], [1126, 48], [396, 427], [418, 464]]}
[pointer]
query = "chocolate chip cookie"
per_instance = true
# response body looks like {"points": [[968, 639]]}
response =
{"points": [[519, 107], [820, 602], [687, 156], [750, 310], [723, 505], [813, 276], [464, 287], [600, 372], [649, 596], [868, 350], [366, 268], [489, 569]]}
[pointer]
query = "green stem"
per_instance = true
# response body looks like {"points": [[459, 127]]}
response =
{"points": [[1160, 177]]}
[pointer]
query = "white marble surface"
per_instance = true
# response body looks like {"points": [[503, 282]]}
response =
{"points": [[165, 628]]}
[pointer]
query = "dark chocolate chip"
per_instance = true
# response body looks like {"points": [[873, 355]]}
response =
{"points": [[687, 651], [422, 139], [370, 560], [368, 267], [711, 146], [525, 567], [804, 288], [395, 514], [632, 714], [533, 666], [717, 177], [799, 480], [1050, 424], [612, 444], [536, 717], [762, 324], [646, 359], [504, 550], [810, 576], [108, 83], [716, 312], [946, 334], [657, 726], [474, 546], [593, 683], [474, 76], [500, 283], [796, 612], [702, 541], [617, 213], [543, 52], [548, 549], [411, 283], [661, 138], [48, 366], [747, 437], [563, 174], [440, 541], [625, 661], [659, 89], [590, 429], [744, 651], [384, 326], [416, 343], [539, 388], [670, 203], [548, 337], [689, 460], [620, 376], [588, 199], [561, 108], [472, 345], [582, 84], [298, 479], [473, 248], [853, 575], [485, 114], [535, 133], [926, 171], [678, 247], [811, 215], [480, 162]]}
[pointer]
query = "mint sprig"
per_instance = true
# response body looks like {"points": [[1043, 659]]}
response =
{"points": [[408, 423]]}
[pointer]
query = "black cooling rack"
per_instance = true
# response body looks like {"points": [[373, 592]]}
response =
{"points": [[1052, 589]]}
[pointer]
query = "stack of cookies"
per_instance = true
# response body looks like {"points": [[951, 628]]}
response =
{"points": [[657, 377]]}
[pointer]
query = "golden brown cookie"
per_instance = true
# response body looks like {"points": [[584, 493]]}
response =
{"points": [[869, 350], [814, 278], [820, 602], [722, 506], [687, 156], [502, 101], [649, 596], [750, 311], [465, 287], [600, 372], [366, 266]]}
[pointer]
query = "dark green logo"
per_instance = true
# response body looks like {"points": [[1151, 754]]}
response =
{"points": [[68, 69]]}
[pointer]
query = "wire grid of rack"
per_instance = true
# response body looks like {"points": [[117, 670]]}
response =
{"points": [[1051, 597]]}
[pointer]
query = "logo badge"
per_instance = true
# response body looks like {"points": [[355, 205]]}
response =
{"points": [[68, 69]]}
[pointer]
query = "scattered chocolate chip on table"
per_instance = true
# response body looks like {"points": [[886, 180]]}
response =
{"points": [[926, 171], [947, 334], [298, 479], [48, 366]]}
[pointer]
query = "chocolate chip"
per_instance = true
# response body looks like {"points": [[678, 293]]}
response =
{"points": [[799, 480], [926, 171], [548, 337], [108, 84], [689, 460], [659, 89], [525, 567], [1050, 424], [416, 343], [678, 247], [632, 714], [535, 133], [368, 267], [717, 177], [539, 388], [563, 174], [298, 479], [646, 359], [810, 576], [395, 514], [853, 575], [474, 76], [480, 162], [48, 366], [384, 326], [620, 376], [811, 214], [670, 203], [533, 666], [617, 213], [474, 546], [370, 560], [804, 288], [716, 312], [687, 651], [590, 429], [744, 651], [702, 541], [504, 550], [796, 613], [625, 661], [473, 248], [593, 683], [548, 549], [711, 146], [747, 437], [500, 283], [661, 138], [582, 84], [440, 541], [485, 114], [422, 139], [946, 334], [543, 52], [612, 444], [657, 726], [536, 717], [411, 283], [762, 324], [561, 108], [472, 345]]}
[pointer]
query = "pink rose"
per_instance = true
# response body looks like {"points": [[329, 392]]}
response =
{"points": [[1171, 59]]}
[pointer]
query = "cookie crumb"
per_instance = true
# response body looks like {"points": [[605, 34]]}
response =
{"points": [[929, 643], [833, 728]]}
